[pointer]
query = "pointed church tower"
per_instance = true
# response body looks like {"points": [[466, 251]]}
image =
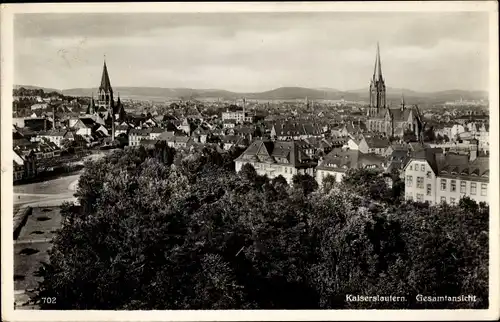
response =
{"points": [[105, 98], [402, 102], [377, 87], [105, 94]]}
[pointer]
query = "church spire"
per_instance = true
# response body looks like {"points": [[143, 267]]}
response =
{"points": [[402, 101], [105, 83], [377, 72], [377, 86]]}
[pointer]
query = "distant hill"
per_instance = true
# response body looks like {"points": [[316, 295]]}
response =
{"points": [[413, 97], [47, 90], [156, 92], [282, 93]]}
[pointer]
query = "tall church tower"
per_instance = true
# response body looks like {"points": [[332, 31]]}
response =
{"points": [[105, 94], [377, 87], [105, 99]]}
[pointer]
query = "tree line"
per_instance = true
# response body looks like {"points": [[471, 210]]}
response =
{"points": [[167, 229]]}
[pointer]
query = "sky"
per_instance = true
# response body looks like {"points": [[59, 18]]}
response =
{"points": [[250, 52]]}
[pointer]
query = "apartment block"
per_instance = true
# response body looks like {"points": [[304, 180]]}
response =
{"points": [[434, 177]]}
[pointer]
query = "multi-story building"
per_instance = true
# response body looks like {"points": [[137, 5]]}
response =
{"points": [[273, 159], [24, 165], [137, 135], [373, 145], [434, 177], [340, 160], [229, 141], [175, 141], [238, 116], [229, 123], [155, 132], [83, 126], [55, 136], [296, 130]]}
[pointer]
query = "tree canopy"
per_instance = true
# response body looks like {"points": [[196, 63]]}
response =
{"points": [[166, 229]]}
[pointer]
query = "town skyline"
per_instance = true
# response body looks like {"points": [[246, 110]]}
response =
{"points": [[236, 50]]}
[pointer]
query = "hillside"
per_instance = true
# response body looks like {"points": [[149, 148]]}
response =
{"points": [[45, 89], [282, 93]]}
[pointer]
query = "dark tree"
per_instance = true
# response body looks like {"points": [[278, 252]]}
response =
{"points": [[166, 229], [304, 183]]}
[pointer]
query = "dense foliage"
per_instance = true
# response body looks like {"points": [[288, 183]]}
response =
{"points": [[165, 229]]}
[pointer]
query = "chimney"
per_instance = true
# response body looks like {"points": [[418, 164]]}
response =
{"points": [[473, 152], [112, 122], [53, 117], [472, 155]]}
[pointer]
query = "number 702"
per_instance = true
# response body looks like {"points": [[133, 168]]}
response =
{"points": [[49, 300]]}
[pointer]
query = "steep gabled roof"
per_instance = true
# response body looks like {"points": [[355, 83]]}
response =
{"points": [[342, 160], [276, 152], [374, 142]]}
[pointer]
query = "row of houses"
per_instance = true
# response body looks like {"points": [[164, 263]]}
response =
{"points": [[431, 175], [467, 131], [27, 155]]}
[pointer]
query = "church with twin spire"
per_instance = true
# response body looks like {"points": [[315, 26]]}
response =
{"points": [[386, 120], [105, 106]]}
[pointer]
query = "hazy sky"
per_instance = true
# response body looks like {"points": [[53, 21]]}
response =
{"points": [[253, 51]]}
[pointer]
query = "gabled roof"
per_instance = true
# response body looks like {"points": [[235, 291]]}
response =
{"points": [[377, 143], [230, 139], [140, 132], [53, 133], [87, 121], [342, 160], [455, 166], [297, 128], [397, 159], [279, 152], [122, 127], [431, 155], [148, 142], [154, 130]]}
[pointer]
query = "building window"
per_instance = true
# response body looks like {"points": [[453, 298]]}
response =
{"points": [[409, 181], [428, 174], [463, 186], [484, 188], [411, 167], [453, 185], [420, 197], [473, 188], [443, 199], [452, 201], [443, 184], [429, 189], [286, 170], [422, 167], [420, 182]]}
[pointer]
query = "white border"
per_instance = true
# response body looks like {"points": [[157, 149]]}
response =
{"points": [[6, 19]]}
